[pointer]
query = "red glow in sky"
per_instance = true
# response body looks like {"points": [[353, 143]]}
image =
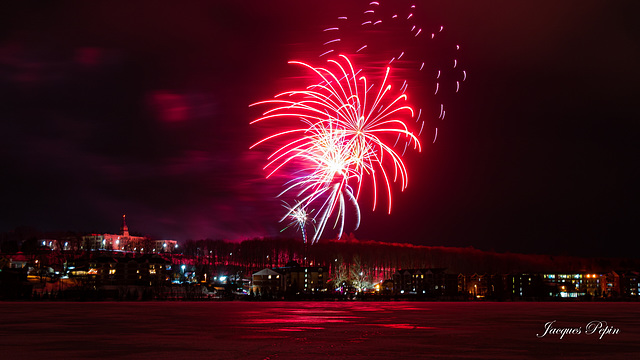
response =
{"points": [[142, 109]]}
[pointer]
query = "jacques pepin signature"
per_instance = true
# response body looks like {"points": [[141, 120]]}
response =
{"points": [[600, 328]]}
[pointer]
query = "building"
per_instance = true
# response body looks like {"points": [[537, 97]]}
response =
{"points": [[385, 287], [629, 284], [15, 261], [573, 285], [291, 279], [478, 285], [146, 270], [267, 282], [428, 282], [55, 244], [308, 279], [611, 285], [127, 242]]}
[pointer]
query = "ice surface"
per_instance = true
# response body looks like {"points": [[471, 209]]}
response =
{"points": [[313, 330]]}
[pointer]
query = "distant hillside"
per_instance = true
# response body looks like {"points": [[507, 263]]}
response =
{"points": [[470, 260], [385, 257]]}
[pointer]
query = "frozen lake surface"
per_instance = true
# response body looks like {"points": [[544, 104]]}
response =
{"points": [[314, 330]]}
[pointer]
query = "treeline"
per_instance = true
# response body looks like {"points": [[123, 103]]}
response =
{"points": [[381, 258]]}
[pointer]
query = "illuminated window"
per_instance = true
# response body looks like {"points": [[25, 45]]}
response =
{"points": [[112, 271]]}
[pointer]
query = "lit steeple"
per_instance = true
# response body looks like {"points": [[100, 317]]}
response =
{"points": [[125, 229]]}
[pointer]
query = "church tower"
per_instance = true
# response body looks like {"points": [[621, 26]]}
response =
{"points": [[125, 229]]}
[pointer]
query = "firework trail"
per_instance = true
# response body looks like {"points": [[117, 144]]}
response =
{"points": [[405, 34], [350, 126], [344, 126]]}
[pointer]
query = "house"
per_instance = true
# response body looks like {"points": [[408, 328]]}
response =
{"points": [[18, 261], [267, 282]]}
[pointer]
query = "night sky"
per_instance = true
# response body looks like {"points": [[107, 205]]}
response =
{"points": [[142, 109]]}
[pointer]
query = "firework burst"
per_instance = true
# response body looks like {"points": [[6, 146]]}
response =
{"points": [[343, 130], [298, 217]]}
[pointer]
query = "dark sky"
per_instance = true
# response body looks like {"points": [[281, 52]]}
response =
{"points": [[142, 109]]}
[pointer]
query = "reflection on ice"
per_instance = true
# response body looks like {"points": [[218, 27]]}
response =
{"points": [[296, 320], [300, 328], [406, 326], [312, 330]]}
